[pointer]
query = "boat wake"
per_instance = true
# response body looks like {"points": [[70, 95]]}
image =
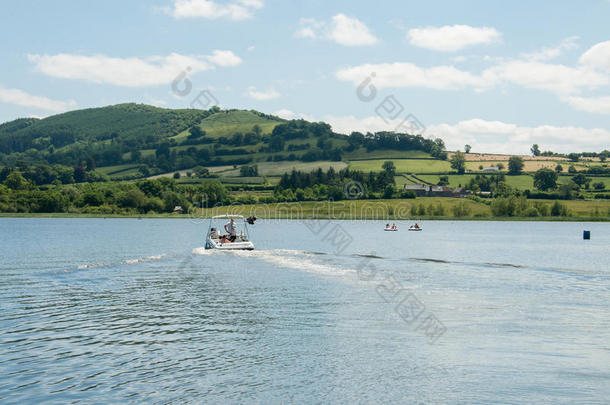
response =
{"points": [[287, 258], [124, 262]]}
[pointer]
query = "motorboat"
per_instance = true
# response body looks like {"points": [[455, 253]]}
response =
{"points": [[215, 239], [415, 228], [392, 228]]}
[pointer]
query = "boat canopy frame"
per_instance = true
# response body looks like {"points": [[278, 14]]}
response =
{"points": [[229, 216]]}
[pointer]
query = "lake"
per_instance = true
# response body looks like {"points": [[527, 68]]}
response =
{"points": [[132, 311]]}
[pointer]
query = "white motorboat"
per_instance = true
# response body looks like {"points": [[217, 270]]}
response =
{"points": [[415, 228], [215, 239]]}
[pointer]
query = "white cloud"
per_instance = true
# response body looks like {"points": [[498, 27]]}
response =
{"points": [[129, 72], [597, 105], [237, 10], [268, 94], [556, 78], [549, 53], [500, 137], [306, 32], [21, 98], [350, 31], [291, 115], [559, 79], [598, 56], [349, 123], [224, 58], [451, 38], [403, 74], [285, 114], [341, 29], [489, 136]]}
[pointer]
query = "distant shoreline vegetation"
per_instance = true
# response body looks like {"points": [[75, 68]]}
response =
{"points": [[374, 191], [132, 160]]}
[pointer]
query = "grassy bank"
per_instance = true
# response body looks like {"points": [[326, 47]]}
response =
{"points": [[437, 208]]}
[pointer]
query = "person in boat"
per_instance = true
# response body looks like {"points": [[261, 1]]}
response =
{"points": [[387, 226], [416, 226], [213, 233], [393, 226], [224, 239], [231, 230]]}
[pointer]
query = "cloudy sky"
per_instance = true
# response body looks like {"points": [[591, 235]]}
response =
{"points": [[496, 75]]}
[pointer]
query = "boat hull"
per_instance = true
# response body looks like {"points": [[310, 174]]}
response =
{"points": [[215, 244]]}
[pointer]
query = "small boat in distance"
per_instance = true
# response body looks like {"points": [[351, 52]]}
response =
{"points": [[389, 228], [415, 227], [239, 239]]}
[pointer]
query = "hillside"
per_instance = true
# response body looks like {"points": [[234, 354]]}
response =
{"points": [[128, 141], [246, 149]]}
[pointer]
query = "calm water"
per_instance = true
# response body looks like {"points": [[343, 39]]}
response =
{"points": [[121, 310]]}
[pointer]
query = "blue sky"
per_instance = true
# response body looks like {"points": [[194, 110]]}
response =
{"points": [[497, 75]]}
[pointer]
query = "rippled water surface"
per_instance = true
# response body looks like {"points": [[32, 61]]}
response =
{"points": [[125, 310]]}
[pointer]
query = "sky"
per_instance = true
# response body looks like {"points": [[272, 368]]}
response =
{"points": [[499, 76]]}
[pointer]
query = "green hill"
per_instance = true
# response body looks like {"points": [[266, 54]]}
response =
{"points": [[135, 140]]}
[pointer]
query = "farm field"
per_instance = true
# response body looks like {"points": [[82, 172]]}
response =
{"points": [[279, 168], [402, 165], [385, 154], [228, 123]]}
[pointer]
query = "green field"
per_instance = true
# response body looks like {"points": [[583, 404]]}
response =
{"points": [[279, 168], [521, 182], [402, 165], [361, 153], [227, 123], [399, 209], [110, 170]]}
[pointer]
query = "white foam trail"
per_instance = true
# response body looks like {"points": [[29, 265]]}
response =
{"points": [[294, 259], [144, 259], [92, 266], [201, 251]]}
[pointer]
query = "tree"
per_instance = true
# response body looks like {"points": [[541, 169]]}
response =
{"points": [[134, 198], [515, 164], [79, 174], [16, 181], [248, 171], [581, 179], [574, 157], [162, 150], [176, 175], [559, 168], [201, 171], [388, 192], [458, 162], [545, 179], [500, 166], [535, 150], [599, 186], [256, 129], [195, 132], [389, 167], [467, 148], [443, 181], [136, 155], [571, 169]]}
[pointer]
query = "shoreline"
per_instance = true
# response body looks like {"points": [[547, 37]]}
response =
{"points": [[307, 217]]}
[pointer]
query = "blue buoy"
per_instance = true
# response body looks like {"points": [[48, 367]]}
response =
{"points": [[586, 235]]}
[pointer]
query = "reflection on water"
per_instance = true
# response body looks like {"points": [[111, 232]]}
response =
{"points": [[136, 311]]}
